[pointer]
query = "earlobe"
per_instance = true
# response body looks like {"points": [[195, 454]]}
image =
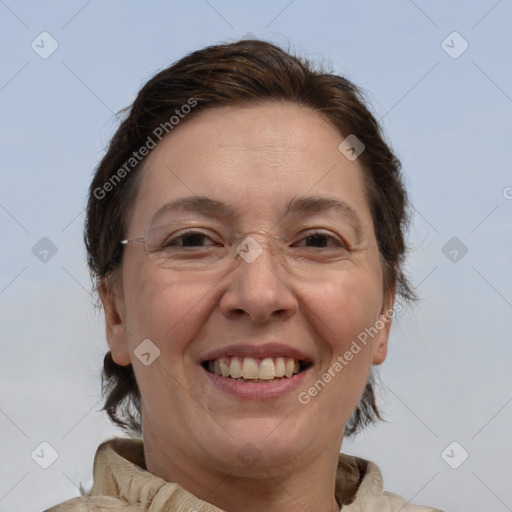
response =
{"points": [[113, 305], [380, 349], [380, 352]]}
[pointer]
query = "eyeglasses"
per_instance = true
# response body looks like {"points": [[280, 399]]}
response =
{"points": [[190, 248]]}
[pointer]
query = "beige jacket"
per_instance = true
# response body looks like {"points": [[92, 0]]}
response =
{"points": [[121, 484]]}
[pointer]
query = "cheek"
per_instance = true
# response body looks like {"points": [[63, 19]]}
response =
{"points": [[165, 311], [170, 314], [338, 314], [342, 308]]}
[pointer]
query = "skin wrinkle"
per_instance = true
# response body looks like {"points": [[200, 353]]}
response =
{"points": [[253, 303], [322, 210]]}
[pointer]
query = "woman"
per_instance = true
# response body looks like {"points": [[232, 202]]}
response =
{"points": [[246, 232]]}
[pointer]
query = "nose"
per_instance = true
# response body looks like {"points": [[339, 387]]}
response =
{"points": [[258, 287]]}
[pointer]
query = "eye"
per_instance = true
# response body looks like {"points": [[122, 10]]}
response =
{"points": [[189, 238], [321, 240]]}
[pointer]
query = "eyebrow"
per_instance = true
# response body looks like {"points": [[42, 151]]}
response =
{"points": [[200, 204], [314, 204], [298, 205]]}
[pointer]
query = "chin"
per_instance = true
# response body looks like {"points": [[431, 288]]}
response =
{"points": [[261, 443]]}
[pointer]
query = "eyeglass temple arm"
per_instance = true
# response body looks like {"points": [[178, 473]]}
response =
{"points": [[126, 242]]}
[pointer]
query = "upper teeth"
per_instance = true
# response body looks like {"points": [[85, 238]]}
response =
{"points": [[250, 368]]}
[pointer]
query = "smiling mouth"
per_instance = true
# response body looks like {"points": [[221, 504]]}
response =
{"points": [[251, 370]]}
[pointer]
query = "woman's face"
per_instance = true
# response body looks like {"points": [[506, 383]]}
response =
{"points": [[274, 167]]}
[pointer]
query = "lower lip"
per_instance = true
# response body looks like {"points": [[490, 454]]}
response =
{"points": [[256, 390]]}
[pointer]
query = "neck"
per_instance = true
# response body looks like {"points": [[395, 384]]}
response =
{"points": [[307, 485]]}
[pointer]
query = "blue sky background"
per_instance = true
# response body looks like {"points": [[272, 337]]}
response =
{"points": [[447, 378]]}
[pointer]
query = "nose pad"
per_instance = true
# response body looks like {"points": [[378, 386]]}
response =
{"points": [[248, 250]]}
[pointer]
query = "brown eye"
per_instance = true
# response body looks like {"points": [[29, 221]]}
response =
{"points": [[321, 240], [189, 239], [318, 240]]}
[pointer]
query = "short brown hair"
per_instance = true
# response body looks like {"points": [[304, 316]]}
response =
{"points": [[231, 74]]}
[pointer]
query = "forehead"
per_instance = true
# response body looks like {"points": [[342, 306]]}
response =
{"points": [[258, 158]]}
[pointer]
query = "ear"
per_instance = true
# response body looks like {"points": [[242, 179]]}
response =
{"points": [[111, 294], [380, 346]]}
